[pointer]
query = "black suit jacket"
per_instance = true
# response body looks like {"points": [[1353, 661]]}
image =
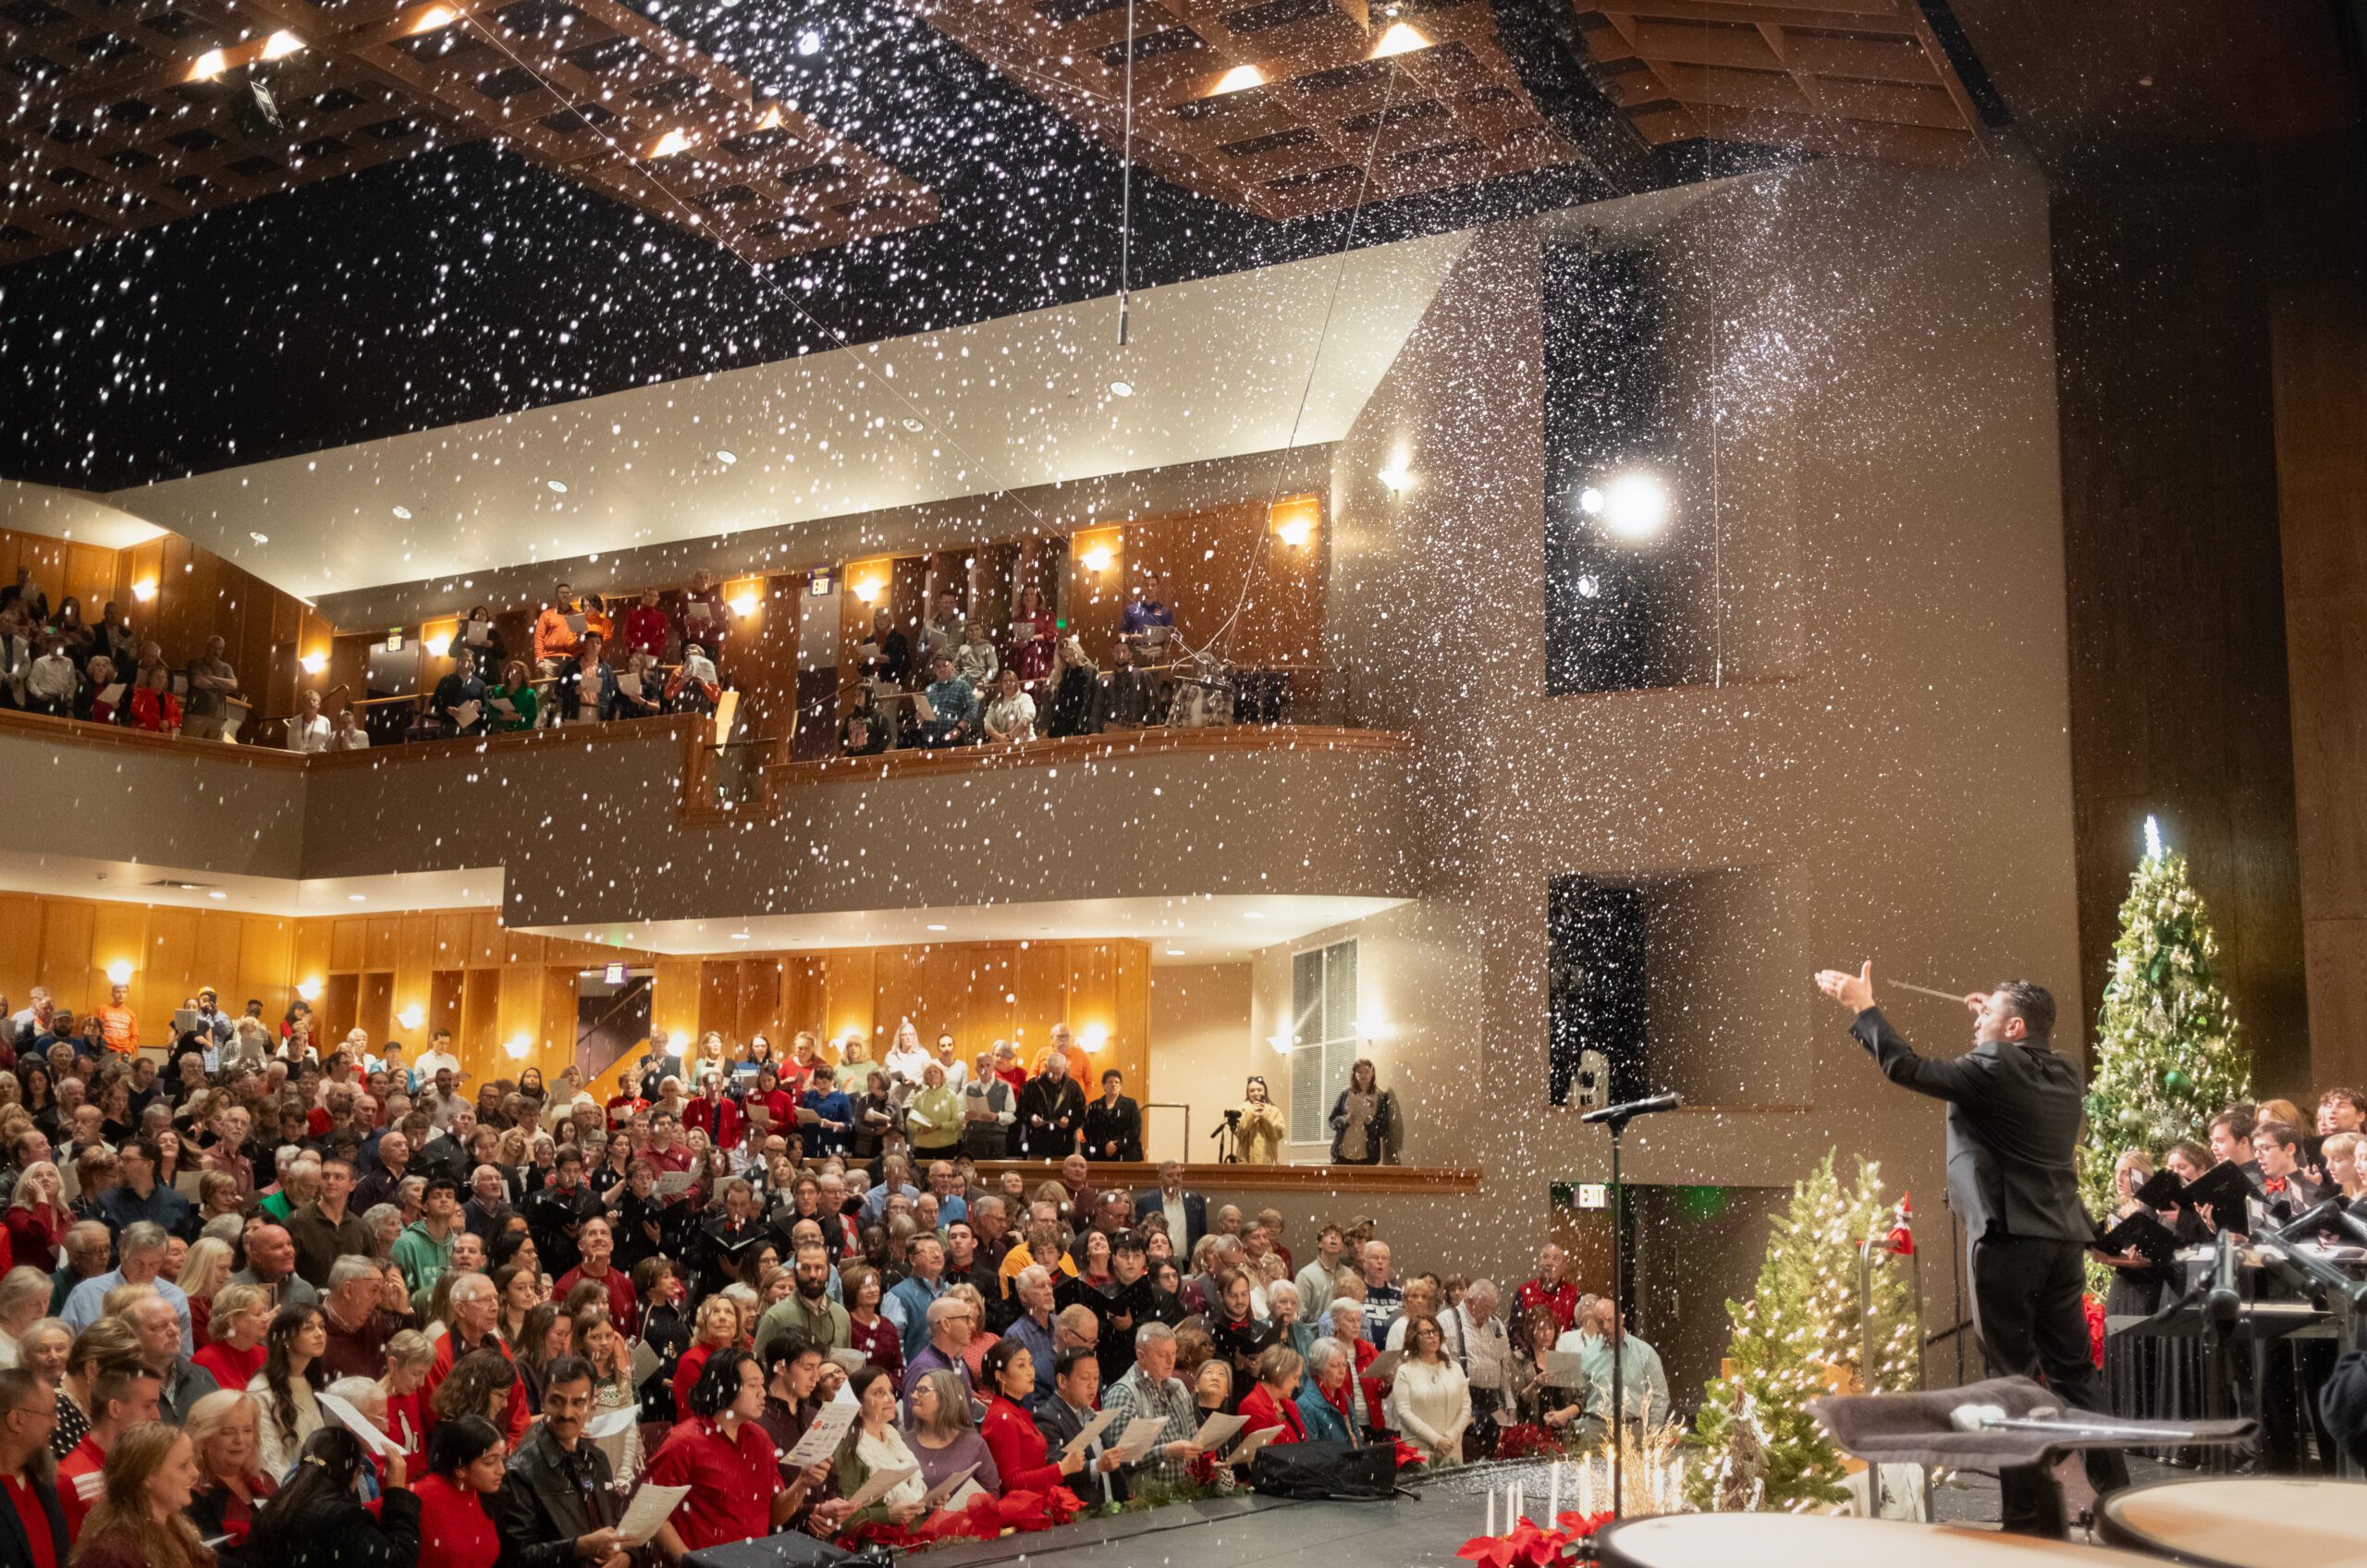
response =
{"points": [[1058, 1423], [2012, 1131], [540, 1512], [16, 1547], [1196, 1218]]}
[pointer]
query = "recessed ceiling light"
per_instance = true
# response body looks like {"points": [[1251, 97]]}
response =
{"points": [[915, 426], [1175, 952], [555, 487], [1403, 38], [1253, 915], [259, 538], [809, 42], [725, 455], [217, 893], [1122, 388], [359, 897], [403, 512], [936, 927], [740, 936], [1237, 80]]}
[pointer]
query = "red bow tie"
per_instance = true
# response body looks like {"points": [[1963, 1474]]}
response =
{"points": [[2274, 1185]]}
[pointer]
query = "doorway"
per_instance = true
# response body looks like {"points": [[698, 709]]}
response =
{"points": [[612, 1014]]}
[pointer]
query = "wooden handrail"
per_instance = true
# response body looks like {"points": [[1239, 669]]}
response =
{"points": [[1100, 747]]}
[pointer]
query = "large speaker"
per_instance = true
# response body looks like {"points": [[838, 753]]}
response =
{"points": [[1597, 1015]]}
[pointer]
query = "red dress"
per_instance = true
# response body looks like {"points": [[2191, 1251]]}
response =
{"points": [[686, 1376], [878, 1344], [232, 1368], [720, 1120], [1023, 1457], [1030, 648], [32, 1236], [454, 1530]]}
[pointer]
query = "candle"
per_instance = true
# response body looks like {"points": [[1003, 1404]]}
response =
{"points": [[1585, 1486], [1553, 1498], [1517, 1501], [1491, 1510]]}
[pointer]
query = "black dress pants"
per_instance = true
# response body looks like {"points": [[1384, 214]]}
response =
{"points": [[2026, 1309]]}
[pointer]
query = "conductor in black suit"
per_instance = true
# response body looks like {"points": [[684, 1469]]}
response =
{"points": [[2013, 1123]]}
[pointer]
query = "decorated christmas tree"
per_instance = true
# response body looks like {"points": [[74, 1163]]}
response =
{"points": [[2167, 1057], [1802, 1334]]}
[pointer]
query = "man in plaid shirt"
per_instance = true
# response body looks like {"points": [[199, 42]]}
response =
{"points": [[1151, 1389]]}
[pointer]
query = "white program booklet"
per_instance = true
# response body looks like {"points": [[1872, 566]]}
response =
{"points": [[822, 1439], [1217, 1431], [1083, 1439], [650, 1507], [882, 1482], [1140, 1433]]}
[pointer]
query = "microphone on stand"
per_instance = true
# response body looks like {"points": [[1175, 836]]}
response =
{"points": [[1631, 1109]]}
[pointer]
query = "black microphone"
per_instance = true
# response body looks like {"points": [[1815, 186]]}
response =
{"points": [[1633, 1108], [2333, 1214]]}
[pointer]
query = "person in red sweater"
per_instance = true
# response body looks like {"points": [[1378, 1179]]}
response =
{"points": [[236, 1353], [647, 627], [464, 1464], [1273, 1400], [720, 1450], [718, 1328], [715, 1114], [597, 1244], [476, 1312], [1552, 1290], [1023, 1456], [121, 1396]]}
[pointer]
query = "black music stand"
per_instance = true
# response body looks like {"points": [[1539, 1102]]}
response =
{"points": [[1616, 1118]]}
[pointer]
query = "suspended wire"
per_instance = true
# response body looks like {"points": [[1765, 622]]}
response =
{"points": [[1126, 184]]}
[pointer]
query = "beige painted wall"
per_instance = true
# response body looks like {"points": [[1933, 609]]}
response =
{"points": [[1201, 1053], [1888, 776]]}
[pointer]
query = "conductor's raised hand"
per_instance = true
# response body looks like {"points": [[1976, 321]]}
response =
{"points": [[1855, 992]]}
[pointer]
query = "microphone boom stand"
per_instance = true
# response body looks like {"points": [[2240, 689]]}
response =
{"points": [[1617, 1117]]}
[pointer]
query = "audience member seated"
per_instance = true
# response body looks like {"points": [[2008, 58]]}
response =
{"points": [[952, 717], [944, 1441], [1127, 699], [1073, 701], [873, 1444], [641, 688]]}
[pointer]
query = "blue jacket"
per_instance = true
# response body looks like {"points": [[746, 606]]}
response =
{"points": [[1323, 1423], [907, 1306]]}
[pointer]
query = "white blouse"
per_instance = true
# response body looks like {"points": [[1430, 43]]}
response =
{"points": [[1431, 1404], [888, 1451], [1013, 716], [308, 734]]}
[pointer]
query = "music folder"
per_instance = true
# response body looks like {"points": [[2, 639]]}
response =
{"points": [[2142, 1234], [2223, 1189]]}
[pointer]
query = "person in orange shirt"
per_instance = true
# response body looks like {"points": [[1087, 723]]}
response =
{"points": [[1080, 1065], [121, 1024], [555, 639]]}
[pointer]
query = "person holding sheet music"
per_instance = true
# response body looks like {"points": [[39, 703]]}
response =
{"points": [[1024, 1459], [586, 687], [459, 705], [557, 630], [479, 636], [720, 1452], [557, 1504], [515, 703], [641, 688], [875, 1446]]}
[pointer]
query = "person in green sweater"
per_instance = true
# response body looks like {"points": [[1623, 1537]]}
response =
{"points": [[933, 1118], [424, 1249], [518, 691]]}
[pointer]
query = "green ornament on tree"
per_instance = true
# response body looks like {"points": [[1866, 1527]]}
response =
{"points": [[2174, 1079]]}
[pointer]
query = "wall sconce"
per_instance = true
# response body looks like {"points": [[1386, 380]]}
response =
{"points": [[120, 972], [307, 990], [1098, 559], [411, 1018], [1403, 38], [867, 590], [518, 1045], [144, 590], [1395, 479], [1092, 1037], [1295, 530], [312, 664], [1281, 1044], [744, 604]]}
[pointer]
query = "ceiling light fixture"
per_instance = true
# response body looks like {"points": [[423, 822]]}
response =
{"points": [[281, 45], [936, 927], [809, 44], [208, 65], [726, 455], [259, 538], [1636, 507], [357, 898], [1122, 388], [772, 121], [403, 512], [1253, 915], [914, 425], [1238, 80], [217, 893], [555, 487], [673, 142], [1175, 952], [1403, 38], [432, 18], [740, 935]]}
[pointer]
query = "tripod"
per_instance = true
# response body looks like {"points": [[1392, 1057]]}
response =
{"points": [[1225, 1134], [1617, 1117]]}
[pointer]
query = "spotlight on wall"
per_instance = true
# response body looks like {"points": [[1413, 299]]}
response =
{"points": [[518, 1047], [1635, 506], [1395, 479], [410, 1018], [307, 990], [1296, 531], [144, 590], [314, 664], [1098, 559], [120, 972], [867, 590], [1092, 1037]]}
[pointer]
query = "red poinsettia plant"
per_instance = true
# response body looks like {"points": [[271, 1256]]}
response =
{"points": [[1532, 1545], [2095, 1311]]}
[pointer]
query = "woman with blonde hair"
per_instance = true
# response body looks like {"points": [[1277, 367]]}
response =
{"points": [[139, 1520], [202, 1274], [981, 1339], [241, 1316], [224, 1433], [2346, 1158], [24, 1301], [103, 1343], [717, 1328], [37, 1218]]}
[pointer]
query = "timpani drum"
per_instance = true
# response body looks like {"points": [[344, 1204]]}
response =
{"points": [[1818, 1540], [2242, 1521]]}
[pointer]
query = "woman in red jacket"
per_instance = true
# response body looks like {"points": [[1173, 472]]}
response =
{"points": [[1273, 1401], [1021, 1454]]}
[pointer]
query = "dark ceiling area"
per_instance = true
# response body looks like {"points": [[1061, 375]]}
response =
{"points": [[468, 282]]}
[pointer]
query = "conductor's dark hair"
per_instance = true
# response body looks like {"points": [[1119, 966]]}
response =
{"points": [[2033, 1004], [719, 1382]]}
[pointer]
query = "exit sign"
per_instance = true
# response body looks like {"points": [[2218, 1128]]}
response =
{"points": [[614, 975], [1578, 1195], [1594, 1195]]}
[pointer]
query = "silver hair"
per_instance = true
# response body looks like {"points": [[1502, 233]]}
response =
{"points": [[351, 1267], [1323, 1354], [1153, 1334]]}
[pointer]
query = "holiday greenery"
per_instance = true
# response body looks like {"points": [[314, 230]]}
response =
{"points": [[2166, 1056], [1803, 1334]]}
